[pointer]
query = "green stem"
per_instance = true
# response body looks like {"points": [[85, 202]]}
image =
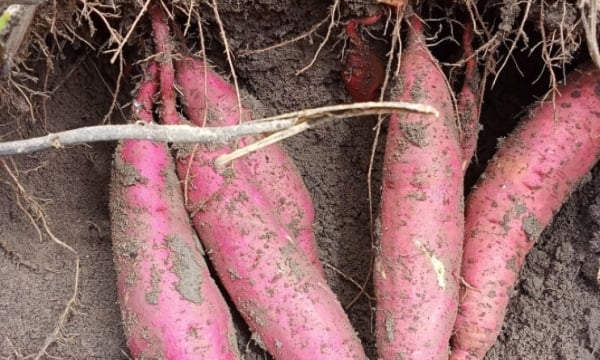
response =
{"points": [[5, 20]]}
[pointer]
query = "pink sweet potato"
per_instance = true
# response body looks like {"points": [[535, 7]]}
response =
{"points": [[270, 169], [468, 100], [363, 71], [280, 294], [533, 172], [171, 307], [278, 291], [418, 258]]}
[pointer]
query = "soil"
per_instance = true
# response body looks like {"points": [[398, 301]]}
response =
{"points": [[555, 310]]}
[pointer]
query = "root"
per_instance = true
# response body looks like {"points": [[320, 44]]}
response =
{"points": [[188, 178], [333, 15], [18, 189], [188, 22], [55, 335], [60, 25], [546, 49], [114, 94], [559, 45], [16, 353], [290, 41], [27, 93], [35, 210], [124, 40], [344, 276], [489, 49], [520, 32], [229, 56], [101, 10], [115, 37]]}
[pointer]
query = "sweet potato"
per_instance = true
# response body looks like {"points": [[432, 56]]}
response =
{"points": [[468, 100], [418, 258], [281, 295], [171, 307], [363, 71], [270, 169], [526, 182]]}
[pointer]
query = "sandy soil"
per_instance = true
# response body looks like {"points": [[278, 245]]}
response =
{"points": [[555, 311]]}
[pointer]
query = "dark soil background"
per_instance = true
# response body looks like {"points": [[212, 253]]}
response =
{"points": [[555, 311]]}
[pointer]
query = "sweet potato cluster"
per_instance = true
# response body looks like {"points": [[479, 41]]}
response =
{"points": [[444, 266]]}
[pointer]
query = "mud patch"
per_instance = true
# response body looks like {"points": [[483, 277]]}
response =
{"points": [[187, 270]]}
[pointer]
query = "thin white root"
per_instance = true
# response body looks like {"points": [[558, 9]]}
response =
{"points": [[333, 11], [122, 43], [39, 213]]}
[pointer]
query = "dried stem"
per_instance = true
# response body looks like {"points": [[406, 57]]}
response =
{"points": [[308, 119], [140, 131], [194, 134]]}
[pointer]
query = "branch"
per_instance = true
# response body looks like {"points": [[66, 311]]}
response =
{"points": [[140, 131], [285, 125]]}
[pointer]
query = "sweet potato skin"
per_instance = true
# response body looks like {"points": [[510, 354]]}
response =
{"points": [[279, 292], [271, 169], [418, 258], [275, 174], [171, 307], [468, 101], [283, 298], [363, 71], [526, 182], [281, 295]]}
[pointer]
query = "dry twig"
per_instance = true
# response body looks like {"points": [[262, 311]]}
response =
{"points": [[141, 131], [194, 134], [308, 119]]}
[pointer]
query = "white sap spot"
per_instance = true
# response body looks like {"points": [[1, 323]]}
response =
{"points": [[438, 266]]}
